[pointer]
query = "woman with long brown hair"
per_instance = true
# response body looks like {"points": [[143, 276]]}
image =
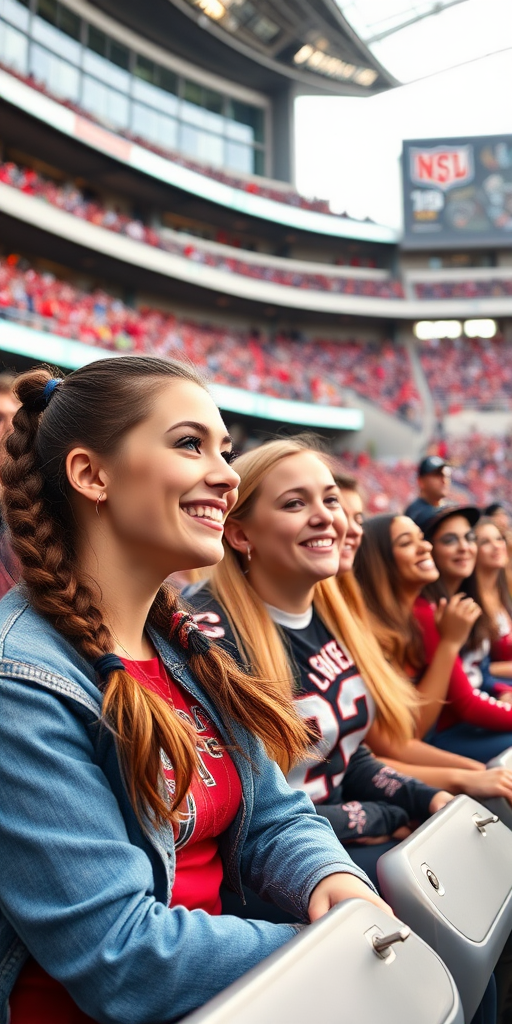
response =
{"points": [[274, 601], [135, 761], [393, 566]]}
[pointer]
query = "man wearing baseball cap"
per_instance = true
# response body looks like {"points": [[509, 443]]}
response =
{"points": [[434, 477]]}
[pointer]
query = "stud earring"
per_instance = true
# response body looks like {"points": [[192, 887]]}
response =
{"points": [[100, 497]]}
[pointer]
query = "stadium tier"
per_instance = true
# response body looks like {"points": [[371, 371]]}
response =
{"points": [[299, 368], [147, 204]]}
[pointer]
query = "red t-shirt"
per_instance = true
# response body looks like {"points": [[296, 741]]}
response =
{"points": [[212, 802], [211, 805], [464, 704]]}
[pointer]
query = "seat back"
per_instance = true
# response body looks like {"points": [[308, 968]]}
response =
{"points": [[498, 804], [331, 972], [451, 881]]}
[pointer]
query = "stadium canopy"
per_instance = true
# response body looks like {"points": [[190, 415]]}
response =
{"points": [[415, 39]]}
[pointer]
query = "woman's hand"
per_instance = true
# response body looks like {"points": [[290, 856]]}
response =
{"points": [[342, 886], [439, 800], [455, 618], [493, 782]]}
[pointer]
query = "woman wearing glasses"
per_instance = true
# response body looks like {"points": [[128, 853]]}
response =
{"points": [[394, 566]]}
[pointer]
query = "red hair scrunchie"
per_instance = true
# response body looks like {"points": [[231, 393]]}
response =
{"points": [[187, 633]]}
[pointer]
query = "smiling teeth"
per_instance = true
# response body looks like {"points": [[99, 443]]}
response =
{"points": [[320, 542], [204, 512]]}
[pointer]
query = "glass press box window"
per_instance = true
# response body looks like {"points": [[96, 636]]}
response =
{"points": [[125, 91]]}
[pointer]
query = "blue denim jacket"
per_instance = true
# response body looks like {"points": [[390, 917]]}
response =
{"points": [[84, 888]]}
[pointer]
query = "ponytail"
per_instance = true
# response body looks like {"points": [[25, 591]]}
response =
{"points": [[38, 512]]}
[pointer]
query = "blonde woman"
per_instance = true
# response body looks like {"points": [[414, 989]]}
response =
{"points": [[274, 602]]}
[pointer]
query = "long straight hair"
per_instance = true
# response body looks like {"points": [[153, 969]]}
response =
{"points": [[96, 407], [375, 569], [260, 640], [473, 587]]}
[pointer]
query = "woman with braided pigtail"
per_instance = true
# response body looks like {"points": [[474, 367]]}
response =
{"points": [[136, 767]]}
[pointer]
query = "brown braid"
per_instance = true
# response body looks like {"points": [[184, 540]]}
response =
{"points": [[96, 406]]}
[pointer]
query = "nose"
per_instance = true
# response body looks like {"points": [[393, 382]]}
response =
{"points": [[354, 529], [222, 476], [425, 546]]}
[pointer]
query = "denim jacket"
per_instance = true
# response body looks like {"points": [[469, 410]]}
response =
{"points": [[84, 888]]}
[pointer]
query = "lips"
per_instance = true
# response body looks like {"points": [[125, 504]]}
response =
{"points": [[206, 514], [426, 564], [319, 543]]}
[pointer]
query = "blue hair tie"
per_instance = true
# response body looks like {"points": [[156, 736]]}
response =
{"points": [[106, 664], [49, 388]]}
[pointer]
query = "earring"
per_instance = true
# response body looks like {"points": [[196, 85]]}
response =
{"points": [[248, 553], [100, 497]]}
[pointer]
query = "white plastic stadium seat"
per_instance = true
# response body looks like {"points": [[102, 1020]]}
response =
{"points": [[498, 804], [451, 881], [332, 972]]}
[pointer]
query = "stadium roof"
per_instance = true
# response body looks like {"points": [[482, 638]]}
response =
{"points": [[416, 38], [260, 43]]}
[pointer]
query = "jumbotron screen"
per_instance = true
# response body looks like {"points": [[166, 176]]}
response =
{"points": [[457, 192]]}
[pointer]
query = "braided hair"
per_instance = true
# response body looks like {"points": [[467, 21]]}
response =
{"points": [[96, 406]]}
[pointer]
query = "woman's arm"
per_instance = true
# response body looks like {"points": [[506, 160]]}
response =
{"points": [[416, 752], [366, 778], [289, 848], [80, 891], [473, 706], [503, 669], [444, 633]]}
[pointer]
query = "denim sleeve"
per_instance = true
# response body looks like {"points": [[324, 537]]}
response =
{"points": [[289, 848], [81, 896]]}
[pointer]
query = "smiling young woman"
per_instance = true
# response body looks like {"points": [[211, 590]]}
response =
{"points": [[274, 601], [135, 763], [393, 566]]}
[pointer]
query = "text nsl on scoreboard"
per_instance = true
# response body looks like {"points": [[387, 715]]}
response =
{"points": [[457, 192]]}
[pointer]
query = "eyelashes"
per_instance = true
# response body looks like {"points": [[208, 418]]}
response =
{"points": [[230, 457], [195, 443]]}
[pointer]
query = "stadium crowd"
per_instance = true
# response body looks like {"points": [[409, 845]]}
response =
{"points": [[293, 367], [497, 287], [71, 199], [252, 185], [468, 373]]}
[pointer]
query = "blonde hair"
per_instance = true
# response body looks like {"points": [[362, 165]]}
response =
{"points": [[341, 608]]}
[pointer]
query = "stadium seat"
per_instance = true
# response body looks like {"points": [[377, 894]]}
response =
{"points": [[499, 805], [451, 881], [331, 972]]}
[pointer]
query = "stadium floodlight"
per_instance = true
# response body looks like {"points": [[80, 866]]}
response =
{"points": [[480, 328], [213, 8], [425, 330]]}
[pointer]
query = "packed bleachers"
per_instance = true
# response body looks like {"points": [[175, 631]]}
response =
{"points": [[474, 373], [267, 190], [71, 199], [468, 289], [285, 365]]}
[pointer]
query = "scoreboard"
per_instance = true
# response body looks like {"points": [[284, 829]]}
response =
{"points": [[457, 192]]}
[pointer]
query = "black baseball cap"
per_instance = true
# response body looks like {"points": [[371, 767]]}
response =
{"points": [[429, 517], [431, 464]]}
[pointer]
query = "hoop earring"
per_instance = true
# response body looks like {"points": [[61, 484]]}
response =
{"points": [[100, 497]]}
